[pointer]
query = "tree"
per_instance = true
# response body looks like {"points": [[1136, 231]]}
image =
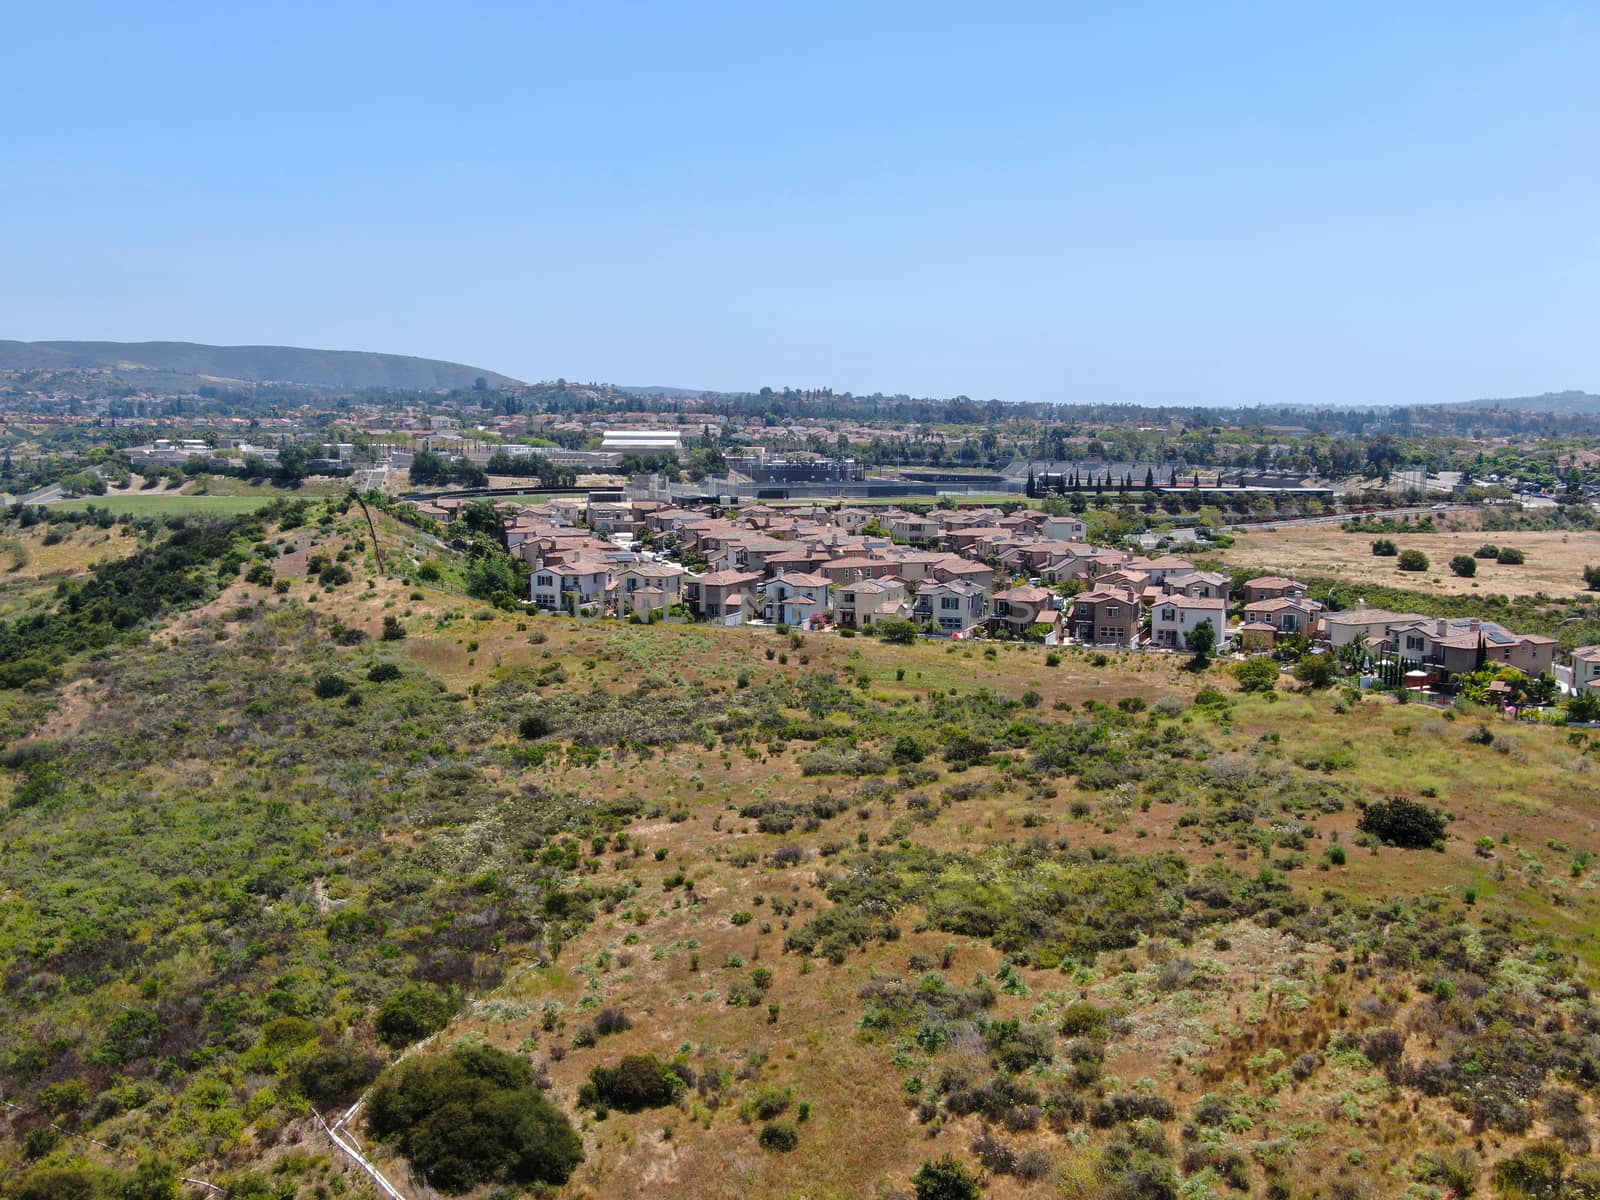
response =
{"points": [[1316, 671], [1257, 675], [411, 1012], [1201, 639], [1464, 565], [1510, 556], [1584, 707], [474, 1116], [1385, 548], [1413, 560], [337, 1073], [292, 462], [1591, 578], [638, 1082], [1404, 823], [897, 631], [946, 1179]]}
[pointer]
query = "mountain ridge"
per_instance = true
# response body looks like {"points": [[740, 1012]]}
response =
{"points": [[323, 369]]}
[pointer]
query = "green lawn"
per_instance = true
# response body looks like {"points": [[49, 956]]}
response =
{"points": [[172, 502]]}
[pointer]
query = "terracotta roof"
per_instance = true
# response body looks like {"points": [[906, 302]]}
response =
{"points": [[725, 578]]}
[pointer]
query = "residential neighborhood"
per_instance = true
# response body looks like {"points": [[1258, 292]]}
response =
{"points": [[1022, 575]]}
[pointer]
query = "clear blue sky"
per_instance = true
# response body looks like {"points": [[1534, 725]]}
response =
{"points": [[1128, 202]]}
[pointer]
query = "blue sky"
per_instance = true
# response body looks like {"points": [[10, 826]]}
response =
{"points": [[1164, 203]]}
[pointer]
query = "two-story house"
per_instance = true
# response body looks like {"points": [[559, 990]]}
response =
{"points": [[955, 606], [1174, 617], [1018, 609], [865, 602], [1286, 615], [796, 599], [1273, 587], [726, 597], [646, 587], [569, 586], [1106, 617]]}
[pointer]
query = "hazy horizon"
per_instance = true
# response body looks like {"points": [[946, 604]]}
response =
{"points": [[1163, 206]]}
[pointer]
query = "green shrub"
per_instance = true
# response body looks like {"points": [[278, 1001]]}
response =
{"points": [[337, 1073], [1510, 556], [1404, 823], [473, 1116], [393, 629], [411, 1013], [638, 1082], [1257, 674], [945, 1179], [779, 1135], [1413, 560], [1384, 548], [1464, 565]]}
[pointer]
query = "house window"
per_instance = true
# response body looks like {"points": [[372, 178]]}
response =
{"points": [[949, 602], [1169, 614], [1110, 633], [1288, 622], [547, 581], [1413, 643], [849, 597], [1113, 610]]}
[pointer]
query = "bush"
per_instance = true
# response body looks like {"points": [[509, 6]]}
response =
{"points": [[474, 1116], [393, 629], [1413, 560], [1487, 550], [778, 1135], [330, 687], [383, 673], [1404, 823], [898, 632], [334, 575], [336, 1074], [945, 1179], [534, 726], [1464, 565], [1384, 548], [638, 1082], [1257, 675], [411, 1013], [1510, 556]]}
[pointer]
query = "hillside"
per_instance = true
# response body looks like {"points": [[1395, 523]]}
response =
{"points": [[1091, 925], [332, 370]]}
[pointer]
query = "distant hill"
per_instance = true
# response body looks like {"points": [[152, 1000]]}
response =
{"points": [[1550, 402], [330, 370]]}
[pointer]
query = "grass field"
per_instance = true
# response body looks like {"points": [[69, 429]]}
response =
{"points": [[163, 503], [1555, 559]]}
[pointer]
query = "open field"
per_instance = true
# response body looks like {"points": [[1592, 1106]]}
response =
{"points": [[1555, 559], [162, 503]]}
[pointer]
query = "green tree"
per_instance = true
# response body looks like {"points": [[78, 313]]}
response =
{"points": [[1202, 638], [1257, 674], [411, 1012], [1385, 548], [1464, 565], [1404, 823], [901, 633], [474, 1116], [946, 1179], [293, 460], [1413, 560]]}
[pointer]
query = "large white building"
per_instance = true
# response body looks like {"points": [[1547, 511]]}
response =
{"points": [[641, 441]]}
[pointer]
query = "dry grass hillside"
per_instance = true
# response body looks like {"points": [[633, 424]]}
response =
{"points": [[1096, 926]]}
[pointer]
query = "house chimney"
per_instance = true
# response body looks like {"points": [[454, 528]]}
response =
{"points": [[1474, 625], [1439, 627]]}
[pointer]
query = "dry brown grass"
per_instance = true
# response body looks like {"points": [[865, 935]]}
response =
{"points": [[1555, 559]]}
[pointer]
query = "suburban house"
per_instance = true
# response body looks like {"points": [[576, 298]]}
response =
{"points": [[1174, 618], [1272, 587], [1019, 608], [568, 586], [1201, 585], [647, 587], [797, 600], [1585, 668], [1458, 645], [862, 604], [1106, 617], [908, 527], [1063, 529], [1286, 615], [725, 596], [613, 516], [1363, 624], [955, 606]]}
